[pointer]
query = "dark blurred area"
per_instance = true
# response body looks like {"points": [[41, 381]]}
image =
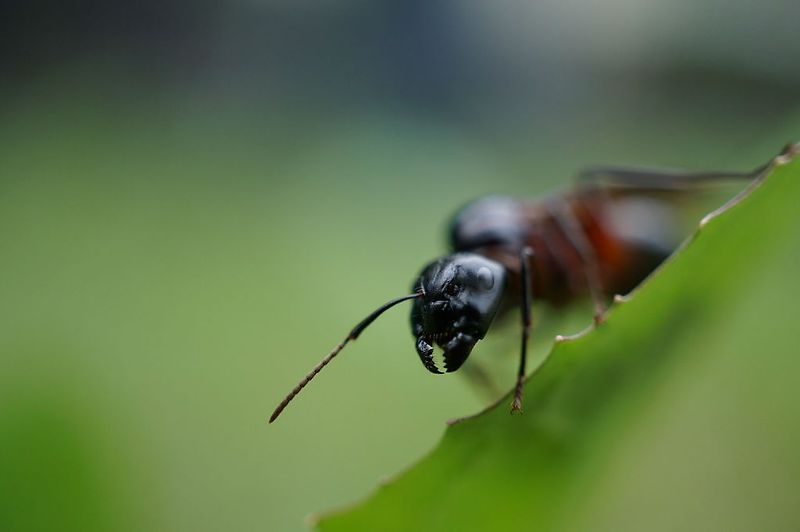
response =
{"points": [[510, 73], [198, 199]]}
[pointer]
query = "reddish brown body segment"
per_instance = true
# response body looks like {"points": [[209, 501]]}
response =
{"points": [[617, 238]]}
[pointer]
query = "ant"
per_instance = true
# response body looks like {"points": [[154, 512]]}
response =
{"points": [[601, 238]]}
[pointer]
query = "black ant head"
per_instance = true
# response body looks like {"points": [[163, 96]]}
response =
{"points": [[461, 294], [455, 300]]}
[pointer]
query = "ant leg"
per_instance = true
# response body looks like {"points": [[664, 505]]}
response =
{"points": [[655, 179], [525, 255], [572, 229], [481, 380]]}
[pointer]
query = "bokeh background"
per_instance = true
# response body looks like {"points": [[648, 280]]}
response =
{"points": [[198, 200]]}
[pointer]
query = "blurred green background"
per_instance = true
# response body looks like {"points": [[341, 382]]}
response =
{"points": [[197, 201]]}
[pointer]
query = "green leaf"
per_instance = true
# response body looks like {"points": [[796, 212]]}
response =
{"points": [[682, 411]]}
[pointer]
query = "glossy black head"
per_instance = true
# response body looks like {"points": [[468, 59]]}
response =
{"points": [[461, 295]]}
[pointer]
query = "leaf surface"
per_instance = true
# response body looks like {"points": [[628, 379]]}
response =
{"points": [[682, 411]]}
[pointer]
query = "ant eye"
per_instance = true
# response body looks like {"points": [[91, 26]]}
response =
{"points": [[485, 278], [452, 289]]}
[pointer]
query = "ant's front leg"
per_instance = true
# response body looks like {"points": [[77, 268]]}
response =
{"points": [[481, 381], [525, 255]]}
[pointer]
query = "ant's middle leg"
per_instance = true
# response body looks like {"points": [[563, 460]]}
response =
{"points": [[589, 265]]}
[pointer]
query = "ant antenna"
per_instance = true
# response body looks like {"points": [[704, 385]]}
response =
{"points": [[351, 336]]}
